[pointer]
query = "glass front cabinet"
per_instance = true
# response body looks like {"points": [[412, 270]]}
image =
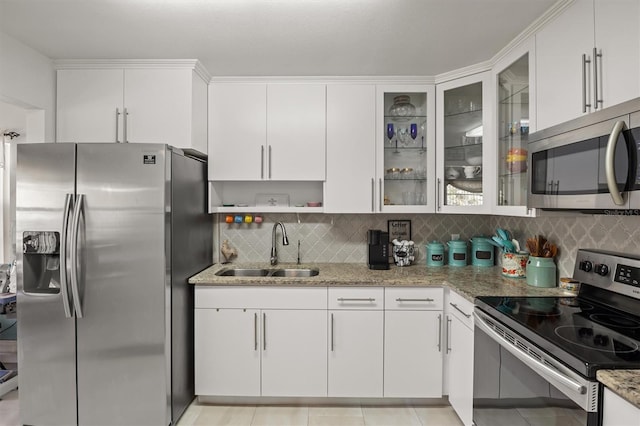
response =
{"points": [[514, 122], [405, 154], [463, 141]]}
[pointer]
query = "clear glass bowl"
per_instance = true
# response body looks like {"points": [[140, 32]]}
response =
{"points": [[402, 108]]}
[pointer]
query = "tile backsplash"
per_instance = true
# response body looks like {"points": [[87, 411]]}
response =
{"points": [[343, 238]]}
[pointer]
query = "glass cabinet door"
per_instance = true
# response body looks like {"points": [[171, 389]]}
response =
{"points": [[461, 135], [513, 130], [406, 154]]}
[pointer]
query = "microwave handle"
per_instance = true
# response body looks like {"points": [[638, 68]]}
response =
{"points": [[609, 164]]}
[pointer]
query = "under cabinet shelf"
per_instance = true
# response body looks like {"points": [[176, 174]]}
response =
{"points": [[276, 209]]}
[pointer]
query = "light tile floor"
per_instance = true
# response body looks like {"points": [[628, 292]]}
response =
{"points": [[219, 415]]}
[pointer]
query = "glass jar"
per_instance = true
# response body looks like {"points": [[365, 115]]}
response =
{"points": [[402, 109]]}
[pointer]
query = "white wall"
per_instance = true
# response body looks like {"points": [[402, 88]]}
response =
{"points": [[28, 80]]}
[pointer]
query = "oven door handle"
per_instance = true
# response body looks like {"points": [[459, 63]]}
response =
{"points": [[610, 163], [532, 363]]}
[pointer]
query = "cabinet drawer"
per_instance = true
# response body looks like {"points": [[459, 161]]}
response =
{"points": [[371, 298], [414, 298], [261, 297], [460, 308]]}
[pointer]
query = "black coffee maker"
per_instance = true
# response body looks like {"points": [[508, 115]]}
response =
{"points": [[378, 249]]}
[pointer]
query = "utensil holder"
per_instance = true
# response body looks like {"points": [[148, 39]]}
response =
{"points": [[514, 265], [541, 272]]}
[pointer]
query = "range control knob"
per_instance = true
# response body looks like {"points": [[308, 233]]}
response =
{"points": [[585, 265], [601, 269]]}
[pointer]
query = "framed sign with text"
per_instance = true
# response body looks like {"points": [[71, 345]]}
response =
{"points": [[399, 229]]}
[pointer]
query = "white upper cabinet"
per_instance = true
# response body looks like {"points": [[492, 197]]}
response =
{"points": [[464, 142], [89, 104], [267, 132], [405, 149], [148, 105], [237, 131], [296, 141], [351, 159], [514, 78], [587, 58]]}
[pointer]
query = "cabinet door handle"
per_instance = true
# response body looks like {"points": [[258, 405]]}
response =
{"points": [[262, 162], [264, 331], [438, 195], [380, 191], [124, 125], [117, 125], [448, 334], [255, 331], [439, 332], [414, 300], [585, 61], [331, 332], [269, 161], [373, 195], [596, 55], [363, 299], [460, 310]]}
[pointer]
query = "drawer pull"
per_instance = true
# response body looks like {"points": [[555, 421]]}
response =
{"points": [[460, 310], [364, 299], [414, 300]]}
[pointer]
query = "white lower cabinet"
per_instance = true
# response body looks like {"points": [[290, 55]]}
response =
{"points": [[356, 342], [294, 344], [413, 342], [617, 411], [227, 352], [241, 350], [459, 350], [356, 324]]}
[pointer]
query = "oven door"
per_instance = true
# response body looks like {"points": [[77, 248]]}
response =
{"points": [[516, 383], [590, 168]]}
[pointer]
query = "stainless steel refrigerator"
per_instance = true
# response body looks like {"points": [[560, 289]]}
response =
{"points": [[107, 235]]}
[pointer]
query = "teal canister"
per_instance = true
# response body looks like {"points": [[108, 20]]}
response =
{"points": [[457, 253], [541, 272], [435, 253], [481, 252]]}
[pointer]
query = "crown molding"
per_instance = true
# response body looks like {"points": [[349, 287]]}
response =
{"points": [[325, 79], [463, 72], [193, 64]]}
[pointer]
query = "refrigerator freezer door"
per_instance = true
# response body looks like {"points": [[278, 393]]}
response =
{"points": [[123, 285], [45, 175]]}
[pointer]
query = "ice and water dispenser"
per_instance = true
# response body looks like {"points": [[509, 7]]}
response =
{"points": [[41, 254]]}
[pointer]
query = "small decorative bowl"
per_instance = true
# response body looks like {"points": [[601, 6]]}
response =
{"points": [[570, 285], [314, 204]]}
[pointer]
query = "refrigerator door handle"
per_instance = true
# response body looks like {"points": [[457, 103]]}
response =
{"points": [[77, 212], [64, 283]]}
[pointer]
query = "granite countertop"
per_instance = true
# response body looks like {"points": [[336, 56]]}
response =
{"points": [[625, 383], [469, 281]]}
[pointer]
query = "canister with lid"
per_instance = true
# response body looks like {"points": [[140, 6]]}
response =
{"points": [[481, 251], [457, 253], [435, 253]]}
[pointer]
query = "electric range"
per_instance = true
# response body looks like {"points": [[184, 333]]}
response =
{"points": [[564, 341]]}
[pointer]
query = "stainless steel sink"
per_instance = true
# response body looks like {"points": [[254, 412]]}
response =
{"points": [[295, 272], [261, 272], [243, 272]]}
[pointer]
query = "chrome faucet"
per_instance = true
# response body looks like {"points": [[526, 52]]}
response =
{"points": [[285, 242]]}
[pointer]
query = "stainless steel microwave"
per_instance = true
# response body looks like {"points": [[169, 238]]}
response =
{"points": [[589, 164]]}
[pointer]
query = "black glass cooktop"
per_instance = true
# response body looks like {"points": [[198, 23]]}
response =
{"points": [[581, 333]]}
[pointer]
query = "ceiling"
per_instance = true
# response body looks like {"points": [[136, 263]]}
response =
{"points": [[276, 37]]}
